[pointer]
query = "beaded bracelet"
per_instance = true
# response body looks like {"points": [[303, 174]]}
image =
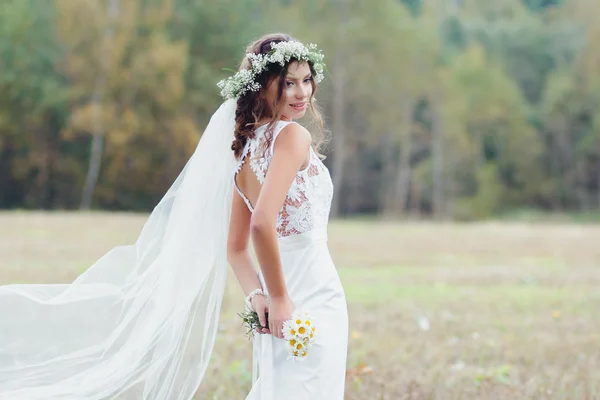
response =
{"points": [[251, 296]]}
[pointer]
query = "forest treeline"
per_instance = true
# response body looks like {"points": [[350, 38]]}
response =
{"points": [[442, 108]]}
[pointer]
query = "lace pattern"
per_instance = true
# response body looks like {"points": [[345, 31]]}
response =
{"points": [[308, 201]]}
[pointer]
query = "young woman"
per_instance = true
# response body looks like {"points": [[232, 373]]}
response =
{"points": [[282, 200], [141, 322]]}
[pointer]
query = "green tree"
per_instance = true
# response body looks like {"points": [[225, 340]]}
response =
{"points": [[147, 136], [32, 105]]}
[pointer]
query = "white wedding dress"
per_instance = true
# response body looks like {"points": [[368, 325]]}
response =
{"points": [[141, 322], [312, 282]]}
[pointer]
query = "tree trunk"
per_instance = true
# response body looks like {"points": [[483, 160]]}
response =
{"points": [[97, 146], [555, 171], [437, 152], [339, 137], [404, 167], [581, 189], [415, 198], [598, 179], [565, 155], [339, 104], [387, 175], [43, 178], [450, 189]]}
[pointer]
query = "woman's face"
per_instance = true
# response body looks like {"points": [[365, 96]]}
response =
{"points": [[296, 91]]}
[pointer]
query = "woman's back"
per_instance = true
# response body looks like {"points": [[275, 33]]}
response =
{"points": [[308, 200]]}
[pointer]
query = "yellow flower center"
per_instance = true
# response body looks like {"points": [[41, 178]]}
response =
{"points": [[307, 322], [292, 332], [298, 321], [299, 346], [304, 354], [311, 335], [292, 342], [301, 330], [313, 329]]}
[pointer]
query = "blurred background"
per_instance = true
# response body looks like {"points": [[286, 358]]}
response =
{"points": [[465, 152], [453, 109]]}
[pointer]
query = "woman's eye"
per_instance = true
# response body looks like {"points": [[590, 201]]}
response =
{"points": [[307, 80]]}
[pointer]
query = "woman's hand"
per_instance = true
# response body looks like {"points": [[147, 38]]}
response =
{"points": [[280, 311], [261, 306]]}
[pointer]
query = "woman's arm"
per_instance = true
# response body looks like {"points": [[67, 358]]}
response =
{"points": [[290, 151], [239, 258]]}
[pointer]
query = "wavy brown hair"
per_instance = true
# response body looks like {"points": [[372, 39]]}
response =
{"points": [[253, 108]]}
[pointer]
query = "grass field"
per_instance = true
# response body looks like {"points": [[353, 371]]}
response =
{"points": [[437, 310]]}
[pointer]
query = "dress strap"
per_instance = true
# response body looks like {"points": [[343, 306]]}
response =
{"points": [[277, 131]]}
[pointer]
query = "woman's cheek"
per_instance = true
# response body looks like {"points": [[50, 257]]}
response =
{"points": [[289, 93]]}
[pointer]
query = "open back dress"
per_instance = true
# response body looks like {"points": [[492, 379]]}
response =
{"points": [[311, 279]]}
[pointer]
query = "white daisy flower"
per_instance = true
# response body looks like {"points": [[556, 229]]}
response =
{"points": [[303, 330], [289, 330]]}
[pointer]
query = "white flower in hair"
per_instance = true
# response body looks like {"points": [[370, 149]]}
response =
{"points": [[246, 79]]}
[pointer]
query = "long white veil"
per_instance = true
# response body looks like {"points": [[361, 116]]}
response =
{"points": [[141, 322]]}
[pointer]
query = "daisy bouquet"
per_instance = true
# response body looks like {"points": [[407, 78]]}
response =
{"points": [[299, 331]]}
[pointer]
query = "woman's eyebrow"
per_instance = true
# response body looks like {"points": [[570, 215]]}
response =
{"points": [[293, 77]]}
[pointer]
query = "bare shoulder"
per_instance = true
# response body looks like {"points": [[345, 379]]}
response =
{"points": [[294, 136]]}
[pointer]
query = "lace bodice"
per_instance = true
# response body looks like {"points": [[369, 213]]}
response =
{"points": [[308, 201]]}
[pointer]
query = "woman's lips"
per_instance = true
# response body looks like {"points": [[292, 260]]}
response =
{"points": [[298, 106]]}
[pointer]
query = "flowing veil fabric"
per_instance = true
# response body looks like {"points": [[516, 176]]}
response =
{"points": [[141, 322]]}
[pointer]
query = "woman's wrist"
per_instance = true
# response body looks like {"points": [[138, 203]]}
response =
{"points": [[252, 294], [281, 297]]}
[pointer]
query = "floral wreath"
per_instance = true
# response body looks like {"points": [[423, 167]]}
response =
{"points": [[245, 79]]}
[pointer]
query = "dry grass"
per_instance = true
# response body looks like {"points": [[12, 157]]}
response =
{"points": [[437, 311]]}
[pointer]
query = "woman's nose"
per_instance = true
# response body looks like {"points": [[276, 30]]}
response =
{"points": [[301, 92]]}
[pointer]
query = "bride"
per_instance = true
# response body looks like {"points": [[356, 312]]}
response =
{"points": [[141, 322]]}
